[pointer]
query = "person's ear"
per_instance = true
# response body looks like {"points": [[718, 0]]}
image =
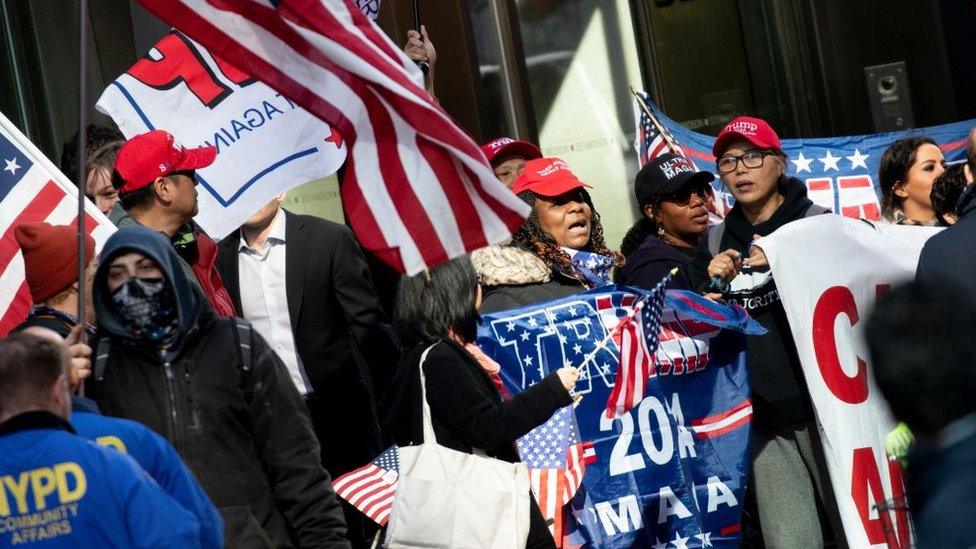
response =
{"points": [[649, 212], [281, 198], [899, 190], [60, 395], [165, 189]]}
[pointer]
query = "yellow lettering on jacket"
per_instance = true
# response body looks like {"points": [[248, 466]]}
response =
{"points": [[113, 441], [43, 485], [67, 479], [18, 489]]}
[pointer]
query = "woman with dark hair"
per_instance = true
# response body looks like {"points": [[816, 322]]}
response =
{"points": [[673, 197], [908, 169], [558, 251], [946, 191], [437, 310], [789, 479]]}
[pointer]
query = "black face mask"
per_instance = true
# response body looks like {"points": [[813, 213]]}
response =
{"points": [[147, 307]]}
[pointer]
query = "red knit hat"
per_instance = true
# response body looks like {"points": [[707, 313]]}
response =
{"points": [[50, 257]]}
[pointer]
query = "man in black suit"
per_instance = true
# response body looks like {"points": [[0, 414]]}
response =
{"points": [[304, 284]]}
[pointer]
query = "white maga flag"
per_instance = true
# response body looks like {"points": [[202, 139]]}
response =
{"points": [[265, 143]]}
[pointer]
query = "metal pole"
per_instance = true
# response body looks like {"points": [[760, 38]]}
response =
{"points": [[82, 148], [424, 66]]}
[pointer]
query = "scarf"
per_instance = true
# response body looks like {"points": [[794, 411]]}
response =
{"points": [[593, 267]]}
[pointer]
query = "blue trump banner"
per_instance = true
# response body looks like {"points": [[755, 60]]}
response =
{"points": [[840, 172], [671, 471]]}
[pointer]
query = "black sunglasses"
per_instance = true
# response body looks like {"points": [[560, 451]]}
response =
{"points": [[682, 196]]}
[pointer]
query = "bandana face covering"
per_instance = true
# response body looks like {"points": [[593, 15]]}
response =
{"points": [[147, 308], [593, 267]]}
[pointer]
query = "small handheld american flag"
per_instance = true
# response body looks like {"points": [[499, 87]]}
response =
{"points": [[371, 487], [556, 460], [637, 338]]}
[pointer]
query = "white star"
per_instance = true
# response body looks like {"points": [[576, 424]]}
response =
{"points": [[533, 322], [830, 161], [857, 159], [12, 166], [705, 537], [572, 311], [525, 336], [679, 542], [802, 163], [660, 544], [577, 349], [605, 368], [511, 326], [528, 360]]}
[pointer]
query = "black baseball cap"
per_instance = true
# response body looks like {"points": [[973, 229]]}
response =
{"points": [[666, 174]]}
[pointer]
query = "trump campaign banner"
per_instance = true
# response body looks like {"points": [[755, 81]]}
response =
{"points": [[828, 286], [841, 173], [32, 189], [266, 144], [671, 471]]}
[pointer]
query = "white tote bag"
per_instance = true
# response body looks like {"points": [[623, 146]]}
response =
{"points": [[447, 499]]}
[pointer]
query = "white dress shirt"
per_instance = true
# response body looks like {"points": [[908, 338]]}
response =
{"points": [[264, 299]]}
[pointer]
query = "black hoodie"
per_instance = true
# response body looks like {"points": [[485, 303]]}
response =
{"points": [[779, 391], [254, 454]]}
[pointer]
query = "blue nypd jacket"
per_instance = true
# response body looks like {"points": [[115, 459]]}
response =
{"points": [[60, 490], [157, 457]]}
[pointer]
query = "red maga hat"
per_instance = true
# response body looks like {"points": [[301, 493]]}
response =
{"points": [[156, 154], [504, 146], [547, 177], [754, 130]]}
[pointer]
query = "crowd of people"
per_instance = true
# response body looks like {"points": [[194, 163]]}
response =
{"points": [[226, 384]]}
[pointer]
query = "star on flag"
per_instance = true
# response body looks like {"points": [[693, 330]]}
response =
{"points": [[12, 166]]}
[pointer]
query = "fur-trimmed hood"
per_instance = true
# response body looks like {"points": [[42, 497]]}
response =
{"points": [[508, 265]]}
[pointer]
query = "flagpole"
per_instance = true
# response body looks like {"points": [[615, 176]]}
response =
{"points": [[424, 66], [82, 149], [657, 123]]}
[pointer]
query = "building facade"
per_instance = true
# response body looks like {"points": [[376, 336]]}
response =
{"points": [[558, 72]]}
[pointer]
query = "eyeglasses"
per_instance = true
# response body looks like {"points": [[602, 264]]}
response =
{"points": [[682, 196], [751, 160]]}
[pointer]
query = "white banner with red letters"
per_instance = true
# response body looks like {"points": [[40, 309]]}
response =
{"points": [[829, 270]]}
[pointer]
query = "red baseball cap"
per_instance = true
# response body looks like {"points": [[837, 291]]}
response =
{"points": [[504, 146], [754, 130], [156, 154], [547, 177]]}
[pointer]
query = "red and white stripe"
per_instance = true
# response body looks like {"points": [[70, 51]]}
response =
{"points": [[636, 364], [43, 194], [370, 489], [554, 488], [719, 424], [417, 190]]}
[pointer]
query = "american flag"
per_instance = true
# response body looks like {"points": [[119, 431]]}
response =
{"points": [[32, 189], [649, 141], [417, 190], [371, 487], [556, 460], [637, 336]]}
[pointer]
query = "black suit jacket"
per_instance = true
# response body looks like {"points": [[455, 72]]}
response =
{"points": [[333, 308]]}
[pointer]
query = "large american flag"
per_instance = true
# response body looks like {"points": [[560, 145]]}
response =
{"points": [[417, 190], [371, 487], [556, 460], [637, 337], [32, 189]]}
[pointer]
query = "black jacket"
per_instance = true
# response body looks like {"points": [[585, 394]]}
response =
{"points": [[513, 277], [467, 412], [652, 261], [779, 391], [940, 494], [334, 313], [951, 254], [246, 437]]}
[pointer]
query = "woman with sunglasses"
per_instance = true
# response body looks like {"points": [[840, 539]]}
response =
{"points": [[673, 198], [790, 483]]}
